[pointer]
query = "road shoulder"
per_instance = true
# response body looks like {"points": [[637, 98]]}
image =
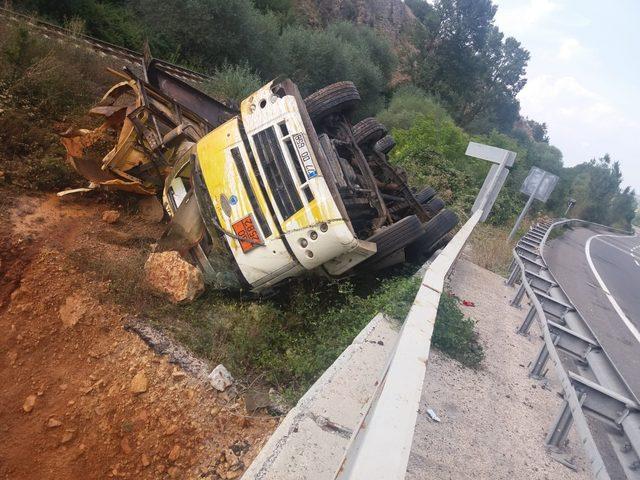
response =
{"points": [[493, 420]]}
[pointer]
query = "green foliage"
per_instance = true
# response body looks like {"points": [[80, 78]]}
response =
{"points": [[211, 33], [282, 9], [233, 82], [432, 153], [432, 149], [111, 21], [596, 189], [408, 104], [466, 61], [455, 335], [316, 58], [288, 341]]}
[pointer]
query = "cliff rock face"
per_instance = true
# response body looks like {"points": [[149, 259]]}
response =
{"points": [[390, 17]]}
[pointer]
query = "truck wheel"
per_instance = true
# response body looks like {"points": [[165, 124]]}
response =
{"points": [[434, 231], [426, 194], [334, 98], [385, 144], [368, 131], [395, 237], [434, 205]]}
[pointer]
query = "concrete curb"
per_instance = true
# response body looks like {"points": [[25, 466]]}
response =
{"points": [[311, 440]]}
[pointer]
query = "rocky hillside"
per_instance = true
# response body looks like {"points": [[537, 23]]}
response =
{"points": [[391, 17]]}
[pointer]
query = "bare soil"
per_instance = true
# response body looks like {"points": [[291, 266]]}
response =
{"points": [[81, 397]]}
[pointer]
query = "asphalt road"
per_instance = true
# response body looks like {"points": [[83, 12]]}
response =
{"points": [[601, 274]]}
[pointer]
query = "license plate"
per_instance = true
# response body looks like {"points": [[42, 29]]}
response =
{"points": [[305, 156], [245, 228]]}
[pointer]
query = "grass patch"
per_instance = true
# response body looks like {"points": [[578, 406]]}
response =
{"points": [[289, 340], [286, 341], [490, 248], [455, 335]]}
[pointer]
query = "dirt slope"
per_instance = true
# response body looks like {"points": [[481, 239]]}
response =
{"points": [[81, 397]]}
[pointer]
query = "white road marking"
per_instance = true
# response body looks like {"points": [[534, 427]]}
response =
{"points": [[616, 307], [620, 249], [638, 264]]}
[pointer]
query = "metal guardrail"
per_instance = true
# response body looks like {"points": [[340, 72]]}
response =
{"points": [[100, 46], [380, 446], [598, 391]]}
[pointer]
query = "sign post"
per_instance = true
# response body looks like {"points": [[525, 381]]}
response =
{"points": [[570, 203], [502, 160], [538, 185]]}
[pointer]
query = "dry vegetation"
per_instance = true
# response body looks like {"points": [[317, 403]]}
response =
{"points": [[490, 249]]}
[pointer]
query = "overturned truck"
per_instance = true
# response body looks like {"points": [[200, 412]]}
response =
{"points": [[268, 191]]}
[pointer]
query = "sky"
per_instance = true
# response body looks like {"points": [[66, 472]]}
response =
{"points": [[583, 75]]}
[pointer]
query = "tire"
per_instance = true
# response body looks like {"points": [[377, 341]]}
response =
{"points": [[395, 237], [426, 194], [337, 97], [434, 205], [385, 144], [368, 131], [434, 232]]}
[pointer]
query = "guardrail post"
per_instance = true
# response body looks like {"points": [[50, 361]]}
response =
{"points": [[528, 320], [541, 360], [513, 276], [518, 298], [560, 428]]}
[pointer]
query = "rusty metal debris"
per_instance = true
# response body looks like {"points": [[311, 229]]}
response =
{"points": [[143, 133]]}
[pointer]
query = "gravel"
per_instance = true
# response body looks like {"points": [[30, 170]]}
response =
{"points": [[493, 420]]}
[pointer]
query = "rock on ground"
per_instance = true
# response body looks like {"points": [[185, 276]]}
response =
{"points": [[139, 383], [111, 216], [151, 209], [170, 274], [74, 309], [220, 378]]}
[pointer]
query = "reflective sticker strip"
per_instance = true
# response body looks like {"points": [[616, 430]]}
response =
{"points": [[305, 156], [244, 177]]}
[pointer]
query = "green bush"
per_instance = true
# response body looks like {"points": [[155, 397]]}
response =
{"points": [[111, 21], [316, 58], [432, 152], [233, 82], [455, 335], [409, 104], [211, 33]]}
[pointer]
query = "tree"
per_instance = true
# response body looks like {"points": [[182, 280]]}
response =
{"points": [[467, 62], [596, 188]]}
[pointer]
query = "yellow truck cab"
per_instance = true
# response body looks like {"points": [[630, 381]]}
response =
{"points": [[270, 198]]}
